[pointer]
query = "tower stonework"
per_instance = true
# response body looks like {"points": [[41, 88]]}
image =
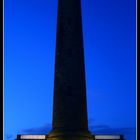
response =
{"points": [[70, 107]]}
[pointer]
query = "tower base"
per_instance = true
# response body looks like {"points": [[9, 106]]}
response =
{"points": [[70, 135]]}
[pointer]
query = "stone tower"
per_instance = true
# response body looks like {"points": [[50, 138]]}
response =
{"points": [[70, 106]]}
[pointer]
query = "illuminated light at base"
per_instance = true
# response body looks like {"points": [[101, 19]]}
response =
{"points": [[97, 137], [32, 137], [108, 137]]}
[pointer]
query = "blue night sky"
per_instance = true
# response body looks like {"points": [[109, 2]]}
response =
{"points": [[110, 63]]}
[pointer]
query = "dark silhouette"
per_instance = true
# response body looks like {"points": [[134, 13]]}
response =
{"points": [[70, 106]]}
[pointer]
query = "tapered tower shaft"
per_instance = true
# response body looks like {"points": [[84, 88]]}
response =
{"points": [[70, 107]]}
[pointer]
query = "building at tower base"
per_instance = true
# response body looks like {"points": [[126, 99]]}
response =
{"points": [[94, 137]]}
